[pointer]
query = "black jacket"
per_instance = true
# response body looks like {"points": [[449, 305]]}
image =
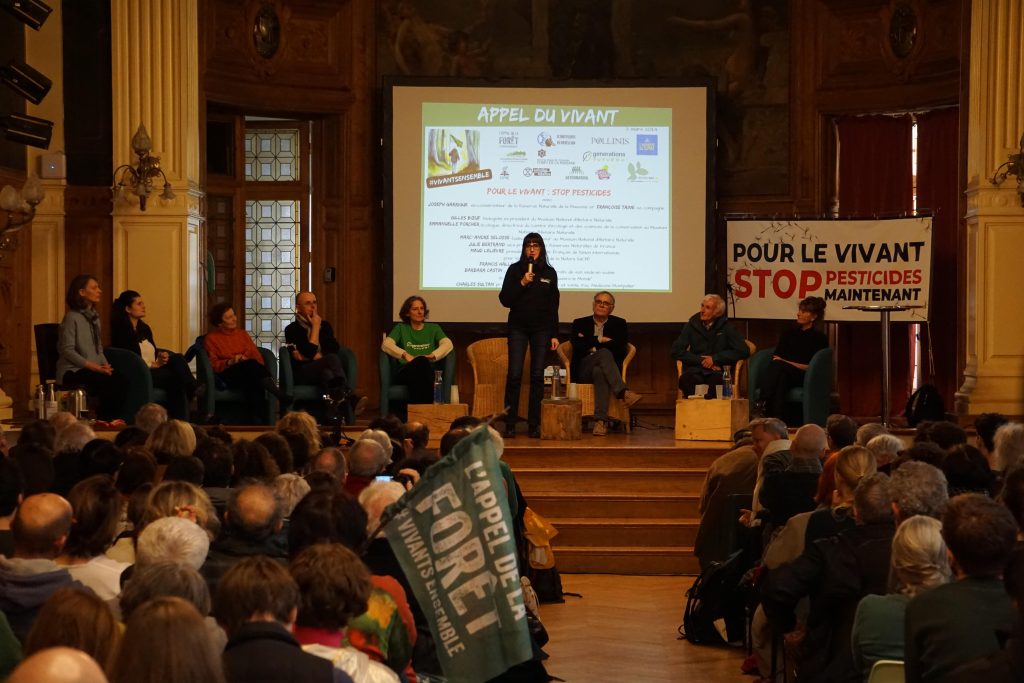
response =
{"points": [[534, 307], [583, 340], [835, 573], [265, 652], [722, 342], [122, 336], [296, 334]]}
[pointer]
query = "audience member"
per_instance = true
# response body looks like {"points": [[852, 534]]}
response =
{"points": [[918, 489], [168, 579], [986, 425], [170, 439], [39, 433], [12, 492], [731, 474], [252, 526], [384, 439], [868, 431], [78, 619], [771, 443], [417, 440], [97, 513], [58, 665], [967, 471], [138, 468], [279, 450], [452, 437], [172, 539], [150, 416], [919, 563], [158, 634], [218, 468], [835, 573], [181, 499], [252, 462], [62, 419], [257, 603], [331, 459], [922, 451], [130, 437], [36, 464], [30, 577], [320, 480], [942, 433], [366, 459], [68, 468], [842, 432], [791, 490], [219, 433], [334, 588], [885, 448], [326, 517], [300, 430], [185, 468], [1012, 496], [123, 549], [1009, 446], [290, 489], [955, 623]]}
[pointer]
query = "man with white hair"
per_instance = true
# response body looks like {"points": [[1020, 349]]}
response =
{"points": [[150, 416], [708, 343], [172, 539], [366, 459]]}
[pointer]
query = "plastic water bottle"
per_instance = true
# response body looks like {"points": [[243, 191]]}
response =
{"points": [[726, 382], [438, 387], [556, 381]]}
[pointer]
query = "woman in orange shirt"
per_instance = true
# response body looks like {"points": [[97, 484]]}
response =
{"points": [[237, 361]]}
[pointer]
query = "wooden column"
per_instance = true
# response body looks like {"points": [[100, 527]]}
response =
{"points": [[995, 219], [156, 84]]}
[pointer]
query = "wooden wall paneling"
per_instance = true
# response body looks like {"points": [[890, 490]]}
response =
{"points": [[311, 70], [90, 242], [15, 314]]}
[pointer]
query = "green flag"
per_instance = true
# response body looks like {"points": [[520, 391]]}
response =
{"points": [[452, 534]]}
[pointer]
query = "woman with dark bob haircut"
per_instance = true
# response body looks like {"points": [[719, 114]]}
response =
{"points": [[237, 361], [530, 293], [81, 362], [129, 331], [418, 346], [97, 507], [793, 354]]}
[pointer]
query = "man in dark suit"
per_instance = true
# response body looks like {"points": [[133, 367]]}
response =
{"points": [[599, 344]]}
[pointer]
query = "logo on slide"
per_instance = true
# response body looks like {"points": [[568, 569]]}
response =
{"points": [[504, 173], [647, 145], [508, 138], [545, 139], [603, 174]]}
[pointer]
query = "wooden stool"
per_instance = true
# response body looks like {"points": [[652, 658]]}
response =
{"points": [[561, 419], [710, 420], [437, 416]]}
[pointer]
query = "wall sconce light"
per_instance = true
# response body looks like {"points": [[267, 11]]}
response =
{"points": [[1013, 166], [138, 179], [17, 209]]}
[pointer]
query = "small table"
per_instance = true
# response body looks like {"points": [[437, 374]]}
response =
{"points": [[716, 419], [437, 416], [885, 312], [561, 419]]}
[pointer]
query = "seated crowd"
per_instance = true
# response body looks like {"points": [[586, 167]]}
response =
{"points": [[859, 548], [176, 553]]}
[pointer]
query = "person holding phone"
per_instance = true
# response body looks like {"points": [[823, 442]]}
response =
{"points": [[530, 292], [314, 353]]}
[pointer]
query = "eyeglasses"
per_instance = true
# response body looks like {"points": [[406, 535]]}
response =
{"points": [[602, 302], [533, 244]]}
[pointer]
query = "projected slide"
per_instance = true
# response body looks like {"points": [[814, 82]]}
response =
{"points": [[616, 179], [594, 181]]}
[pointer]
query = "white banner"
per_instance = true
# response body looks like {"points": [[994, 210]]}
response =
{"points": [[773, 264]]}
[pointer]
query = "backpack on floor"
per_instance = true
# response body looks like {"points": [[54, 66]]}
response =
{"points": [[925, 404], [712, 596]]}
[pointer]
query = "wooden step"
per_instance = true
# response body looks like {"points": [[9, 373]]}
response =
{"points": [[610, 480], [585, 458], [627, 560], [649, 532], [623, 506]]}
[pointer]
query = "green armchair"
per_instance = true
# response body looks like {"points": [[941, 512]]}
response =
{"points": [[229, 404], [309, 396], [397, 393], [813, 397], [139, 388]]}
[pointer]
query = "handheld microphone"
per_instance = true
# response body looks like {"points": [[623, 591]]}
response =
{"points": [[529, 265]]}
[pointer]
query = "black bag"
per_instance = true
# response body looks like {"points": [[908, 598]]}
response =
{"points": [[925, 404], [548, 584], [714, 596]]}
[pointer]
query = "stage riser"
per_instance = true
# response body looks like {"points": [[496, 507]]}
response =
{"points": [[577, 533], [664, 507], [612, 481], [608, 457], [628, 561]]}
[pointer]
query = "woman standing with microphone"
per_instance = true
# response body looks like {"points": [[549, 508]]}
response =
{"points": [[530, 292]]}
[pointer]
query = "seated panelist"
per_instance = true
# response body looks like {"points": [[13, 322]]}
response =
{"points": [[599, 346], [792, 356], [708, 342], [418, 345]]}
